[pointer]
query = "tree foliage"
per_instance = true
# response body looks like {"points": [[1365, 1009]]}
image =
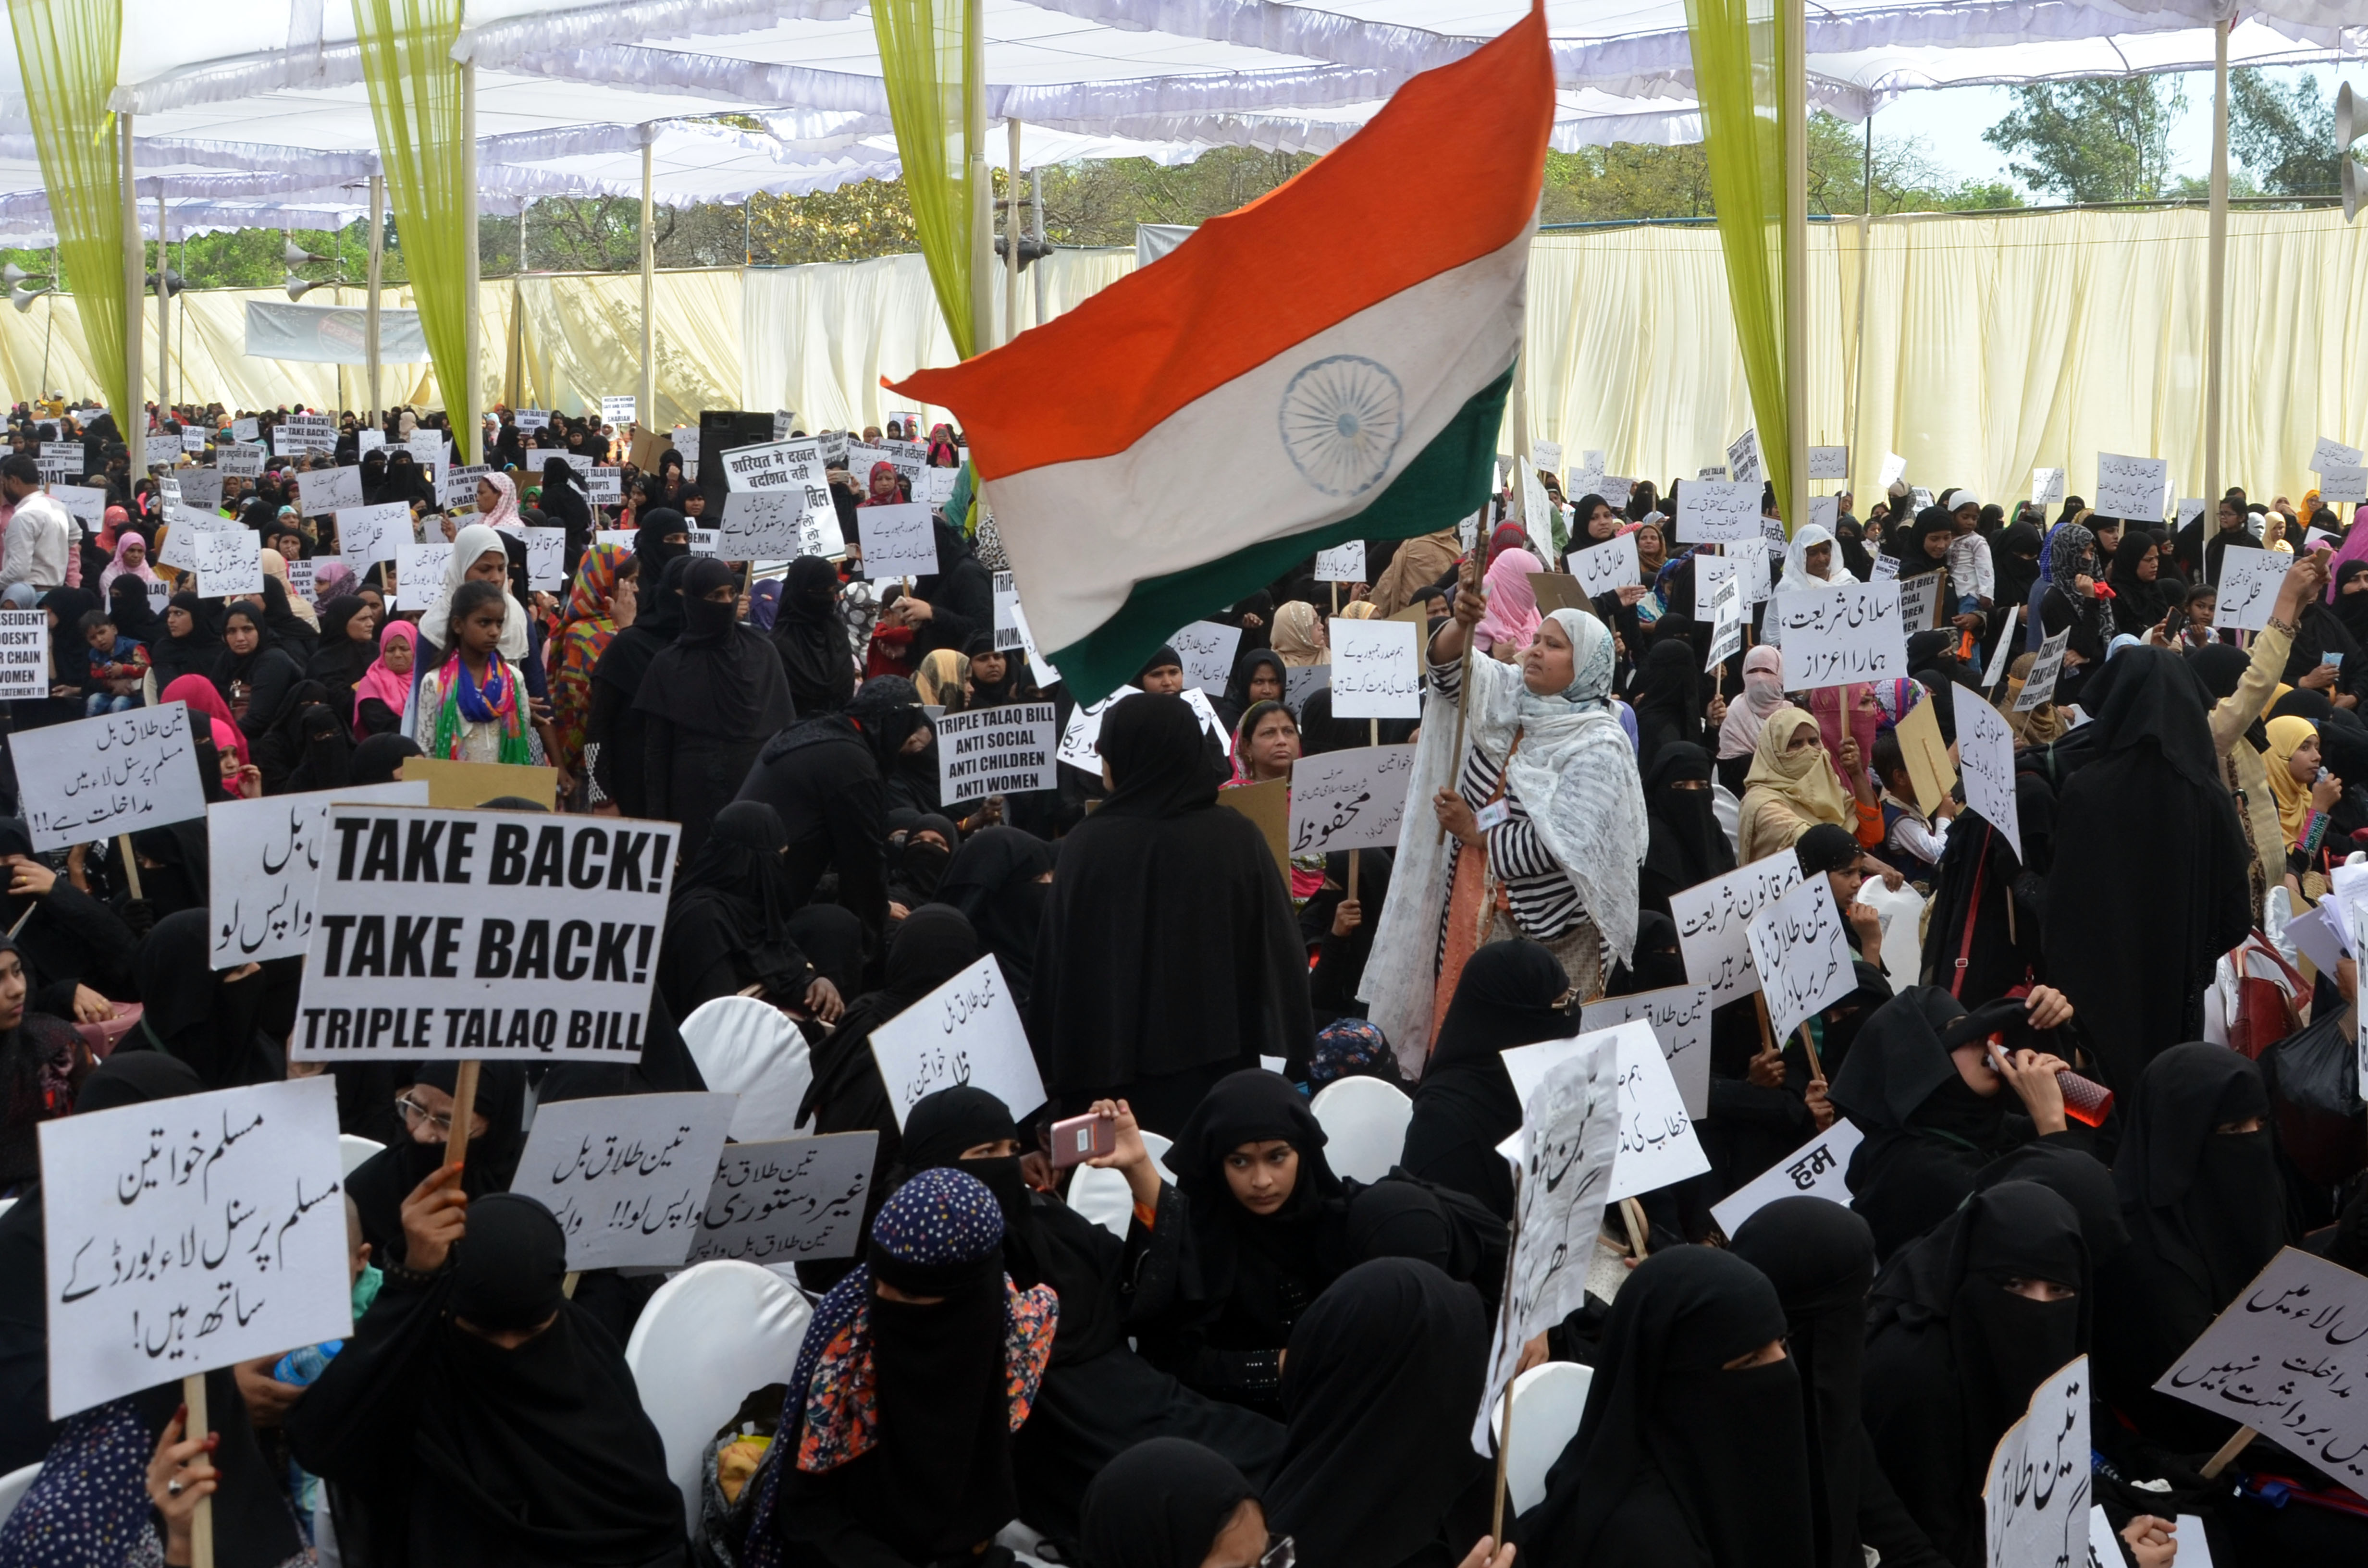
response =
{"points": [[2286, 138], [2105, 140]]}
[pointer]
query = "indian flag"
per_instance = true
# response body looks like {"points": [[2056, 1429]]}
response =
{"points": [[1330, 363]]}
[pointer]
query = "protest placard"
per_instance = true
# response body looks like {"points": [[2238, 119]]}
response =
{"points": [[1828, 463], [2035, 1494], [1343, 564], [935, 487], [779, 1202], [997, 751], [1894, 468], [1206, 711], [178, 548], [23, 655], [1931, 773], [769, 465], [2250, 580], [2331, 453], [1680, 1016], [898, 540], [1006, 607], [1920, 598], [546, 558], [419, 576], [532, 419], [1563, 1156], [1840, 635], [605, 486], [618, 408], [1656, 1144], [370, 534], [1616, 491], [626, 1176], [2286, 1358], [443, 933], [1709, 571], [1716, 511], [1348, 800], [457, 490], [427, 448], [1376, 669], [2040, 685], [305, 433], [193, 440], [229, 561], [1081, 736], [2190, 509], [2131, 488], [1985, 755], [2008, 646], [777, 524], [2343, 483], [2047, 486], [1545, 455], [85, 502], [323, 490], [1801, 948], [264, 858], [1824, 511], [1301, 681], [1819, 1168], [1725, 619], [1743, 464], [1604, 567], [246, 430], [1207, 649], [187, 1234], [240, 463], [619, 538], [966, 1032], [1587, 478], [118, 773], [461, 784], [1557, 590], [1713, 917]]}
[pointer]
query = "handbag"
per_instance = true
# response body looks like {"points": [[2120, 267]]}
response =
{"points": [[101, 1036], [2266, 1010]]}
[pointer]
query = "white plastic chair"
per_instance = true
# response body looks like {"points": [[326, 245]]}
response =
{"points": [[353, 1149], [13, 1487], [749, 1048], [1728, 811], [1364, 1121], [711, 1335], [1547, 1404], [1103, 1195]]}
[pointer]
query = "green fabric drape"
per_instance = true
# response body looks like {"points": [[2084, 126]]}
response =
{"points": [[1745, 99], [414, 90], [922, 57], [66, 51]]}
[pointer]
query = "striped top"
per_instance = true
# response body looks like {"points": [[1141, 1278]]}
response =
{"points": [[1544, 901]]}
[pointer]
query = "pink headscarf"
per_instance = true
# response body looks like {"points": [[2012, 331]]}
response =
{"points": [[202, 697], [1762, 694], [1512, 617], [505, 507], [379, 681], [123, 568], [1839, 713]]}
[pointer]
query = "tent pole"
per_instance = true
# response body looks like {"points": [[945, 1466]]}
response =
{"points": [[1011, 238], [647, 407], [461, 402], [1036, 189], [2217, 279], [132, 415], [982, 181], [163, 312], [377, 257], [1795, 101]]}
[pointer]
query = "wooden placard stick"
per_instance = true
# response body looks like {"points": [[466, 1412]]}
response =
{"points": [[1505, 1422], [1464, 687], [202, 1523], [2228, 1452], [131, 865], [464, 1108]]}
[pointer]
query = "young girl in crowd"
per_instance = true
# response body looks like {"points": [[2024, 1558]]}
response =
{"points": [[473, 709]]}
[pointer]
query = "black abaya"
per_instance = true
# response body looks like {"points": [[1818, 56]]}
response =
{"points": [[708, 703], [1685, 843], [997, 880], [812, 639], [1510, 994], [197, 1014], [379, 1184]]}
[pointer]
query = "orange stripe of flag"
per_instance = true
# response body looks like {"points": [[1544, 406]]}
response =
{"points": [[1446, 173]]}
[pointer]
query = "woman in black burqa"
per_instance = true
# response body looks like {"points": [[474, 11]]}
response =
{"points": [[708, 704], [210, 1018], [1820, 1257], [1169, 955], [812, 638], [730, 924], [1166, 1504], [1962, 1327], [478, 1417], [1383, 1374], [1510, 994], [2139, 983], [1692, 1452], [1098, 1398], [1686, 845], [379, 1184], [999, 877], [616, 730]]}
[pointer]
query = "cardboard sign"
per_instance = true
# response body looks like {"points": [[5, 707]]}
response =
{"points": [[245, 430], [23, 655], [2040, 685], [323, 490], [1349, 799], [367, 535], [264, 858], [2333, 453], [229, 561], [2131, 488], [1343, 564], [1840, 635], [1680, 1016], [483, 933], [200, 486], [305, 433], [1828, 463], [1602, 568], [1546, 456], [1985, 746], [1081, 737], [459, 786], [1713, 920], [800, 1198], [966, 1032], [1558, 590], [2344, 482], [1376, 670], [2035, 1494], [997, 751], [1930, 774], [240, 463], [1302, 681], [1801, 948], [770, 466], [419, 577], [1268, 806], [1819, 1168], [897, 540], [778, 525], [190, 1234], [2047, 488], [87, 501], [1207, 648], [2249, 582], [1743, 463], [91, 778], [1920, 601], [618, 409], [2286, 1358], [1657, 1141], [1716, 511], [626, 1176], [1894, 466], [1006, 609]]}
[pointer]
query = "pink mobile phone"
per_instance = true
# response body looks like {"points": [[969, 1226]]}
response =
{"points": [[1083, 1138]]}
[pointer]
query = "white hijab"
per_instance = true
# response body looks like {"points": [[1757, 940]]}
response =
{"points": [[469, 546], [1797, 575]]}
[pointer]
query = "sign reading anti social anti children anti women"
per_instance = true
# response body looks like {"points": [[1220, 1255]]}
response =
{"points": [[486, 933]]}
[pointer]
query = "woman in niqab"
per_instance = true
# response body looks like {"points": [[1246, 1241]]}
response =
{"points": [[1693, 1452], [1000, 880], [207, 1018], [708, 704], [1668, 700], [479, 1417], [1169, 954], [1738, 732], [1962, 1327], [812, 638], [1792, 788], [1510, 994], [732, 926], [615, 733], [379, 1185], [1686, 845]]}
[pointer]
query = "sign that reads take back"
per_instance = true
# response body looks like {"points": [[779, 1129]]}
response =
{"points": [[483, 933]]}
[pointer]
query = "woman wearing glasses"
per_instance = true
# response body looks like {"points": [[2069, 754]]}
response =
{"points": [[381, 1183]]}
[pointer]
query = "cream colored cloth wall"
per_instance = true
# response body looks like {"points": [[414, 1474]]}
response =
{"points": [[1991, 344]]}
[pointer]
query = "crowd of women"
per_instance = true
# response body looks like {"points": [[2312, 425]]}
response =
{"points": [[1273, 1363]]}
